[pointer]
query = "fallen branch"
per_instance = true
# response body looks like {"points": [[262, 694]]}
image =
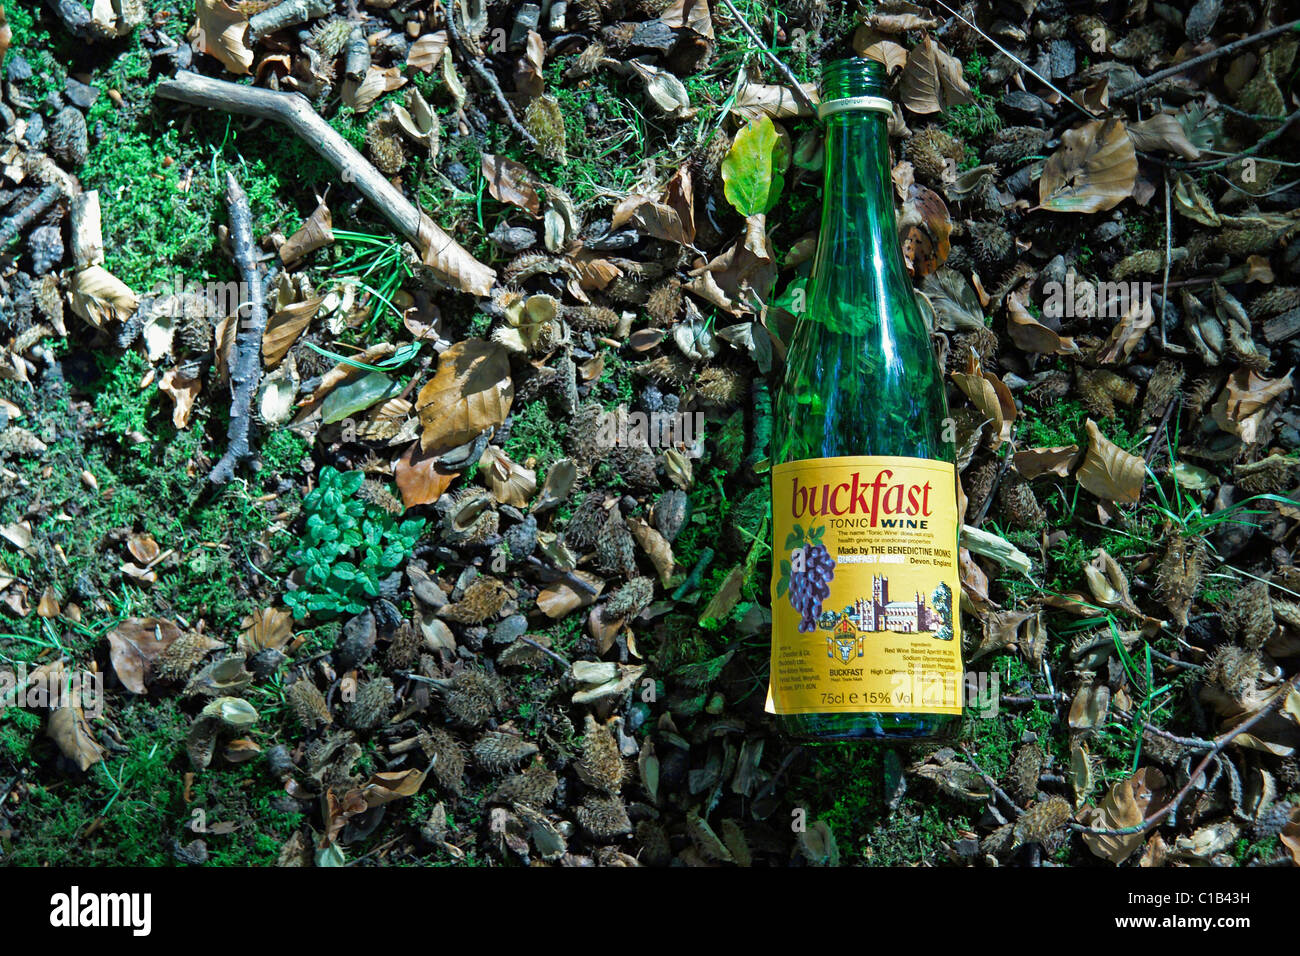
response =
{"points": [[484, 74], [15, 224], [1154, 78], [443, 255], [247, 368], [1219, 744]]}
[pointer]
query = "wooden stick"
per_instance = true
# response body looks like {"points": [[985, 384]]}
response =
{"points": [[795, 86], [443, 255], [484, 74], [247, 368], [1154, 78]]}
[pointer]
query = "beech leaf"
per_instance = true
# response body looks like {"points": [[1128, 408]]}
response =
{"points": [[1108, 471], [752, 170], [1095, 169], [471, 391]]}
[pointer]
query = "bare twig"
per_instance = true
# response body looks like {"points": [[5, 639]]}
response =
{"points": [[15, 224], [795, 86], [1131, 91], [246, 370], [1021, 63], [484, 74], [1205, 167], [1219, 743], [442, 254], [547, 651]]}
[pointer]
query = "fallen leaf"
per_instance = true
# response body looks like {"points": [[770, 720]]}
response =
{"points": [[672, 217], [932, 80], [1245, 400], [955, 302], [512, 183], [990, 396], [777, 102], [425, 52], [419, 480], [284, 327], [737, 280], [1127, 804], [222, 31], [1034, 462], [134, 646], [1108, 471], [270, 628], [1095, 169], [68, 729], [664, 90], [98, 296], [752, 170], [182, 390], [377, 81], [1163, 131], [471, 391], [691, 15], [315, 233], [1030, 334], [558, 599], [1128, 332], [510, 484]]}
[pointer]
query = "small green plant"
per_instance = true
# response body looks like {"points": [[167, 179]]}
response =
{"points": [[349, 546]]}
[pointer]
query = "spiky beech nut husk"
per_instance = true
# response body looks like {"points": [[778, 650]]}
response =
{"points": [[498, 752], [1162, 386], [628, 290], [1202, 393], [384, 144], [1042, 820], [446, 758], [932, 153], [705, 839], [615, 547], [521, 538], [542, 118], [1136, 45], [534, 787], [182, 656], [590, 318], [1272, 821], [637, 465], [1178, 575], [977, 482], [584, 16], [723, 385], [308, 703], [404, 647], [1020, 505], [604, 817], [381, 496], [999, 841], [474, 697], [1273, 474], [1248, 617], [69, 141], [991, 244], [960, 259], [46, 246], [1275, 301], [46, 296], [1247, 240], [1013, 143], [586, 522], [1235, 670], [664, 302], [733, 835], [194, 332], [330, 36], [373, 701], [1100, 388], [630, 599], [1025, 771], [601, 765], [1143, 262], [470, 517], [482, 601], [673, 368], [983, 341], [656, 850]]}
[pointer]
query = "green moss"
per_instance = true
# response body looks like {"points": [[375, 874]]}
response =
{"points": [[536, 434]]}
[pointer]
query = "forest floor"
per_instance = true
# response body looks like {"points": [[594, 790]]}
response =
{"points": [[436, 617]]}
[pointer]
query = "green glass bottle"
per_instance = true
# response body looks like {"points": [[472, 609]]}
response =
{"points": [[865, 626]]}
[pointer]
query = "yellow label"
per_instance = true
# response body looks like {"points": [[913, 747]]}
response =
{"points": [[865, 587]]}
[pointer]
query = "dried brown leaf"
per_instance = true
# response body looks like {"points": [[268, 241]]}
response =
{"points": [[471, 391], [1108, 471], [1095, 169]]}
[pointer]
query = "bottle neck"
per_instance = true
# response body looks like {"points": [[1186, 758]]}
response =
{"points": [[858, 254]]}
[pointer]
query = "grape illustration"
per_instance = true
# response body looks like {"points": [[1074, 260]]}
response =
{"points": [[811, 586]]}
